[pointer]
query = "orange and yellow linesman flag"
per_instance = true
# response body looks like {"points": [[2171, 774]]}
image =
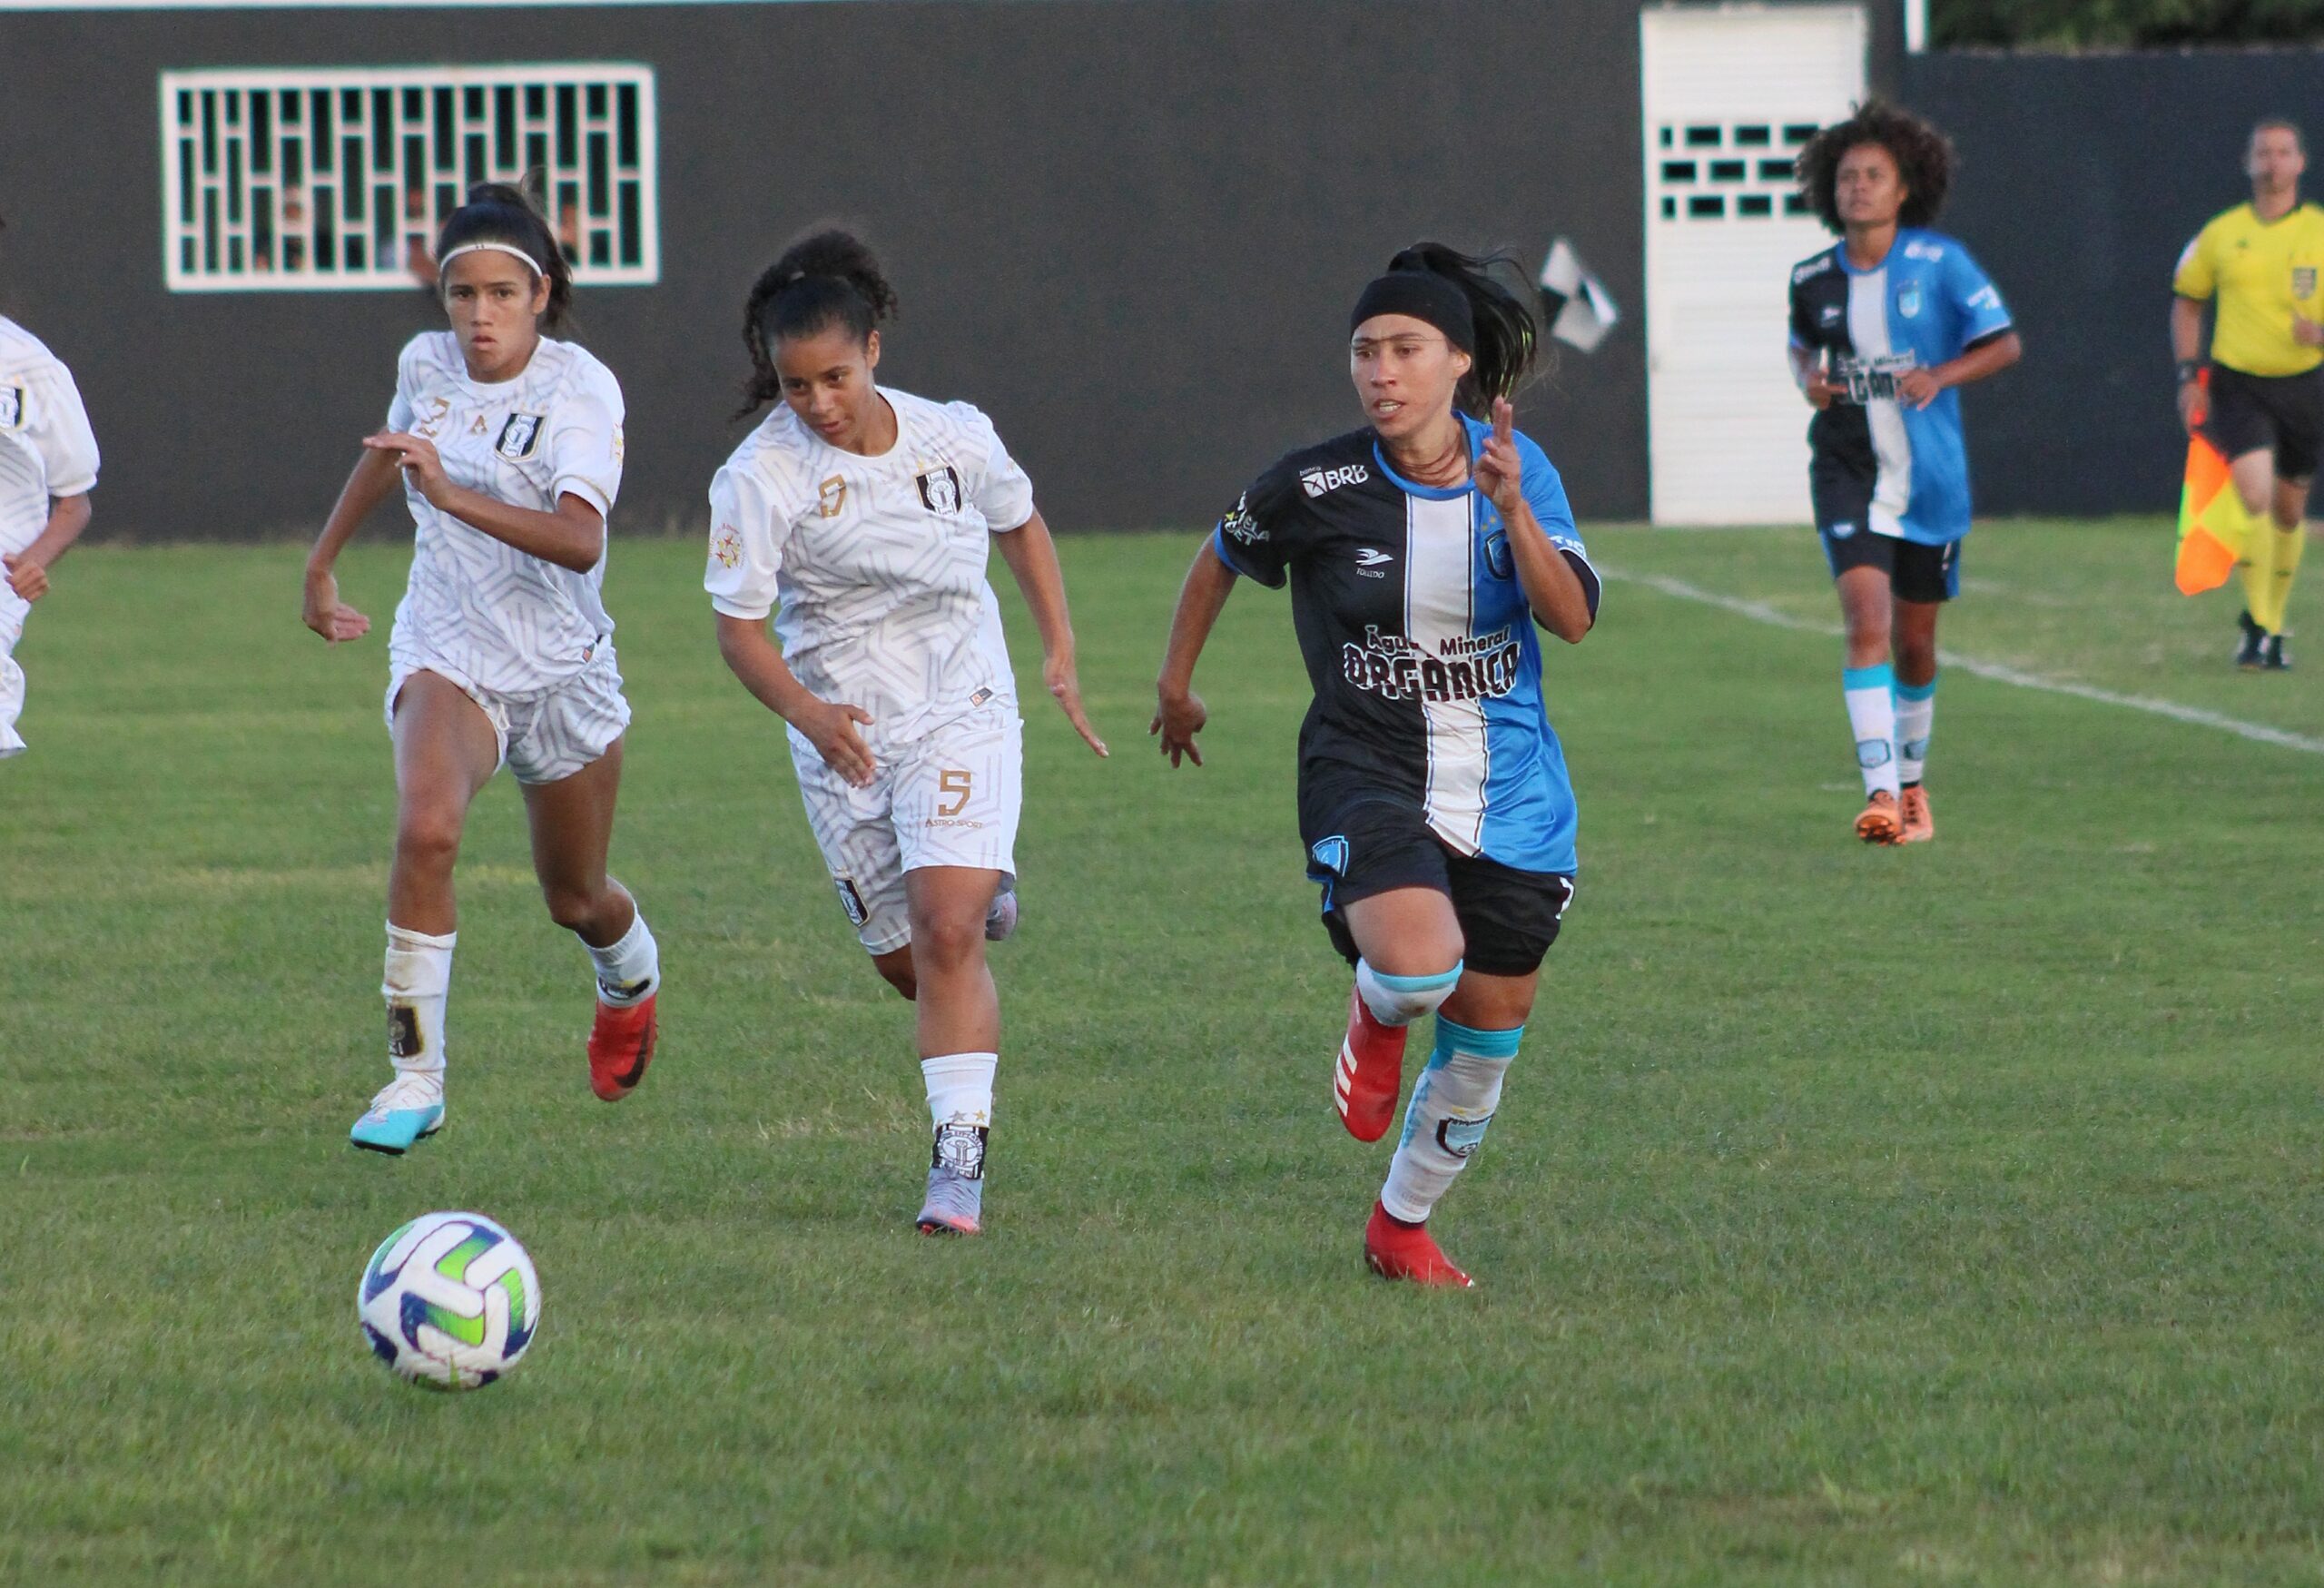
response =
{"points": [[2213, 528]]}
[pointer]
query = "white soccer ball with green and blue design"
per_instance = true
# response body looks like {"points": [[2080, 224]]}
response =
{"points": [[450, 1301]]}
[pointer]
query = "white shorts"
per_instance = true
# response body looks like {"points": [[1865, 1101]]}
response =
{"points": [[951, 798], [13, 612], [546, 737]]}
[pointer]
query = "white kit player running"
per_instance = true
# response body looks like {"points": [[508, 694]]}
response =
{"points": [[510, 444], [48, 466], [862, 519]]}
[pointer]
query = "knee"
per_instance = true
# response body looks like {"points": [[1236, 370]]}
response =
{"points": [[1869, 636], [427, 837], [947, 943], [1398, 1001], [574, 909]]}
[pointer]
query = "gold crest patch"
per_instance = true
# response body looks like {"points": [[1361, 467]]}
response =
{"points": [[831, 496]]}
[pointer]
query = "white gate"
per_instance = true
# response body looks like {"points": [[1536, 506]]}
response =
{"points": [[1730, 92]]}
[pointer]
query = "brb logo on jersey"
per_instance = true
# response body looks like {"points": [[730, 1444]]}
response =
{"points": [[2303, 280], [1318, 482], [939, 489], [519, 436], [11, 408], [1466, 667]]}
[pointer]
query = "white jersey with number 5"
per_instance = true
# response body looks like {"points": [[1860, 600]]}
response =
{"points": [[46, 449], [487, 615], [875, 567]]}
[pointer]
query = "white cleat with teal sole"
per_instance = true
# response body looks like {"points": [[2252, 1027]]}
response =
{"points": [[409, 1106]]}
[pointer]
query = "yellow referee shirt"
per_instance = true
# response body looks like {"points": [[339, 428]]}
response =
{"points": [[2262, 272]]}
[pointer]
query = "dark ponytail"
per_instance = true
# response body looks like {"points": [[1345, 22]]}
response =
{"points": [[498, 212], [1508, 340], [826, 280]]}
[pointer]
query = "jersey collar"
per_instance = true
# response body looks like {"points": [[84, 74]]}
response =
{"points": [[1473, 429]]}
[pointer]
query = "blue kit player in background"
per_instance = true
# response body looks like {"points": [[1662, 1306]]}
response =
{"points": [[1885, 326], [1420, 550]]}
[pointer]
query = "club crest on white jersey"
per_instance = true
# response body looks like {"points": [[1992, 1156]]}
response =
{"points": [[518, 436]]}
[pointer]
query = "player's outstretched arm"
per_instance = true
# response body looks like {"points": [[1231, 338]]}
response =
{"points": [[1178, 712], [1030, 552], [1553, 589], [28, 571], [828, 726], [368, 484]]}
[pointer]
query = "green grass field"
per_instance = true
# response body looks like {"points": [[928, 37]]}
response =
{"points": [[1949, 1215]]}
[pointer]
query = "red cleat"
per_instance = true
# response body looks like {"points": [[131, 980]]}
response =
{"points": [[621, 1045], [1407, 1251], [1369, 1072]]}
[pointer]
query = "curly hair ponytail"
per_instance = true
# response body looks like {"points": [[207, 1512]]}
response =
{"points": [[829, 279]]}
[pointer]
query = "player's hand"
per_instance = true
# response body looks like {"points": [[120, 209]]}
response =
{"points": [[1178, 718], [2306, 332], [1500, 471], [1820, 390], [1918, 386], [1065, 687], [28, 579], [422, 466], [329, 615], [830, 728], [2194, 405]]}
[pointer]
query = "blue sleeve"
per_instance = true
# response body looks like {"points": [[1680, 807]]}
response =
{"points": [[1545, 494], [1977, 302]]}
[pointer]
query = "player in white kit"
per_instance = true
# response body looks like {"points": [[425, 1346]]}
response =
{"points": [[862, 517], [510, 444], [48, 466]]}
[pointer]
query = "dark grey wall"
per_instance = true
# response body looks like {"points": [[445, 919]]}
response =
{"points": [[2082, 178], [1128, 229]]}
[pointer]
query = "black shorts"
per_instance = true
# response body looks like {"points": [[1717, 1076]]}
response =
{"points": [[2283, 414], [1367, 845], [1841, 494], [1915, 572]]}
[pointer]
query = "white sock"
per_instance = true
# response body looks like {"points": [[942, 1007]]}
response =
{"points": [[960, 1102], [1871, 693], [1453, 1102], [630, 970], [960, 1087], [1916, 710], [1398, 1001], [418, 981]]}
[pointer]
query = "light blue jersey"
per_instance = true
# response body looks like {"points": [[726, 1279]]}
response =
{"points": [[1920, 307]]}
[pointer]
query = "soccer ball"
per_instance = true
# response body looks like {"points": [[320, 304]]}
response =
{"points": [[450, 1301]]}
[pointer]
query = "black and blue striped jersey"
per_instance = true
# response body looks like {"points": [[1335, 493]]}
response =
{"points": [[1419, 643]]}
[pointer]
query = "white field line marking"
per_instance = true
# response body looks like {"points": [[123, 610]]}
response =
{"points": [[2000, 673]]}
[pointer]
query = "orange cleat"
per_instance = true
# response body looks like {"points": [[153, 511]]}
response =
{"points": [[621, 1045], [1369, 1072], [1407, 1251], [1912, 811], [1881, 821]]}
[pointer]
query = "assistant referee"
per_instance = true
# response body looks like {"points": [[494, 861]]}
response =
{"points": [[2264, 407]]}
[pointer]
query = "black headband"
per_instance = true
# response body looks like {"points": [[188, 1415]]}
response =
{"points": [[1425, 296]]}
